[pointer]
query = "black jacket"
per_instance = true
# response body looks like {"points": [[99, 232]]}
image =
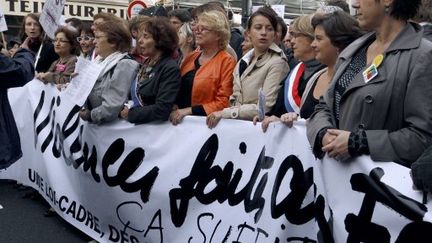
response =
{"points": [[235, 42], [158, 93], [14, 72]]}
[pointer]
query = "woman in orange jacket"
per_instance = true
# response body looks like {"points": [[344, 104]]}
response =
{"points": [[207, 79]]}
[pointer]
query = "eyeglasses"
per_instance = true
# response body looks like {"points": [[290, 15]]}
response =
{"points": [[60, 40], [202, 29], [85, 38]]}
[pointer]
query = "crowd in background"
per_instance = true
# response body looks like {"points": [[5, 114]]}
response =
{"points": [[362, 82]]}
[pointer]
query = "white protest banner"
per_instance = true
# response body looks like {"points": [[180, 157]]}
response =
{"points": [[81, 85], [161, 183], [369, 202], [50, 16], [3, 24]]}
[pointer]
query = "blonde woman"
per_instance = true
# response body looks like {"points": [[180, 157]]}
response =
{"points": [[206, 73]]}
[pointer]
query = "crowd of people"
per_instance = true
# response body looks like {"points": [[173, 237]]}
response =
{"points": [[362, 82]]}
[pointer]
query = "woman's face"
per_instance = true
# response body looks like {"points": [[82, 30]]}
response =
{"points": [[287, 40], [147, 44], [261, 33], [102, 47], [205, 35], [246, 45], [62, 45], [86, 42], [176, 23], [301, 45], [369, 13], [32, 28], [325, 52]]}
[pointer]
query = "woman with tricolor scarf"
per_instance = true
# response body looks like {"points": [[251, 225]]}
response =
{"points": [[379, 101], [293, 87], [261, 68]]}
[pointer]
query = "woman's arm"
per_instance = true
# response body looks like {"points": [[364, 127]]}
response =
{"points": [[317, 126], [271, 86]]}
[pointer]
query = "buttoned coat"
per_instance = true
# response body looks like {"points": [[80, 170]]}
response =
{"points": [[266, 72], [394, 108]]}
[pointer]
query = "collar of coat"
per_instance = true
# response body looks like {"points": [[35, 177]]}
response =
{"points": [[264, 57], [408, 38]]}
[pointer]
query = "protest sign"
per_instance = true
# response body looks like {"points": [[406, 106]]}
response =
{"points": [[3, 24], [162, 183], [50, 16]]}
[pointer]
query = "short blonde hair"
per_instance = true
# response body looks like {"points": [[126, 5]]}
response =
{"points": [[218, 22], [303, 24]]}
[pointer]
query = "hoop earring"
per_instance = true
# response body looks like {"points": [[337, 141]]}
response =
{"points": [[387, 9]]}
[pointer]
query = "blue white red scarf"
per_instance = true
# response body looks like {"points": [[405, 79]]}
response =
{"points": [[292, 97]]}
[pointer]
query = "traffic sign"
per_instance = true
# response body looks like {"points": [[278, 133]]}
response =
{"points": [[134, 7]]}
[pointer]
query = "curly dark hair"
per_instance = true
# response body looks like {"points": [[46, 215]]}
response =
{"points": [[340, 27], [163, 33]]}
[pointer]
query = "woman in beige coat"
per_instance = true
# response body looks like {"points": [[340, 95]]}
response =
{"points": [[379, 101], [263, 67]]}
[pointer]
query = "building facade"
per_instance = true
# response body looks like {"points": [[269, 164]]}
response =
{"points": [[15, 10]]}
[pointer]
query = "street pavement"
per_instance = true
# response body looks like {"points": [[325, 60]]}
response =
{"points": [[22, 220]]}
